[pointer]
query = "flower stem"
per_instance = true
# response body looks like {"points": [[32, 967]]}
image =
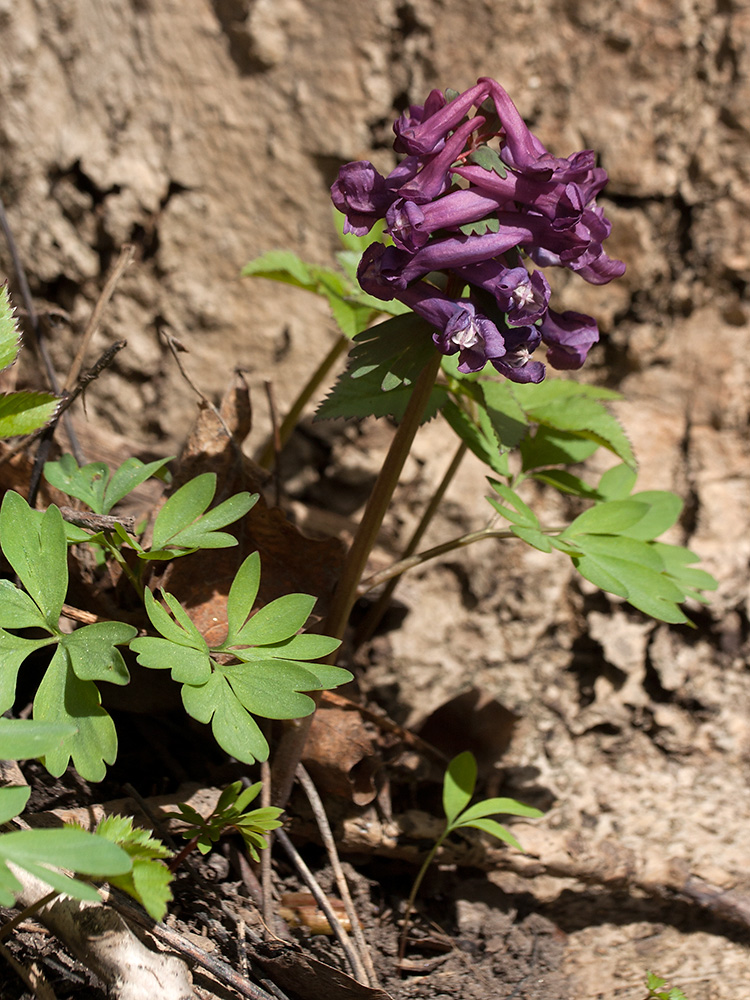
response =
{"points": [[380, 607], [380, 498], [290, 749], [289, 422]]}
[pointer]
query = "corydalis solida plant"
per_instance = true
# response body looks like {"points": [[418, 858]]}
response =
{"points": [[475, 195]]}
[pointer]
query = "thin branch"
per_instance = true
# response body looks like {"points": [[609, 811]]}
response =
{"points": [[321, 900], [177, 348], [222, 972], [275, 439], [38, 986], [291, 419], [97, 522], [126, 256], [330, 845], [104, 361]]}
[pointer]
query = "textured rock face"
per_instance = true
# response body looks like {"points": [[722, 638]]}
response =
{"points": [[209, 132]]}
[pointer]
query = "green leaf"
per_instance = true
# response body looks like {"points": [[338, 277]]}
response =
{"points": [[10, 338], [63, 697], [506, 416], [617, 483], [498, 806], [575, 407], [676, 560], [87, 483], [184, 507], [13, 798], [35, 546], [25, 412], [521, 514], [188, 665], [235, 730], [458, 785], [242, 595], [167, 627], [271, 688], [488, 159], [23, 739], [70, 847], [149, 880], [566, 482], [306, 646], [130, 475], [533, 537], [93, 653], [13, 651], [276, 621], [608, 518], [193, 636], [664, 510], [182, 523], [547, 446], [481, 440], [494, 828], [280, 265], [17, 610], [631, 569], [384, 363]]}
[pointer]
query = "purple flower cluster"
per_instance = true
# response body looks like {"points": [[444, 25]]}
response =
{"points": [[461, 213]]}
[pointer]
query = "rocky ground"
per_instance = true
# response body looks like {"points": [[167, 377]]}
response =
{"points": [[207, 133]]}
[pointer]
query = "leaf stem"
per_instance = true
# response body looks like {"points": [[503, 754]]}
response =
{"points": [[415, 889], [402, 565], [290, 421]]}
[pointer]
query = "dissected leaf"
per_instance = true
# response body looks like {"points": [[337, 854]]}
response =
{"points": [[608, 518], [13, 651], [23, 739], [188, 665], [93, 651], [63, 697], [34, 544], [149, 879], [25, 412], [36, 850], [182, 523]]}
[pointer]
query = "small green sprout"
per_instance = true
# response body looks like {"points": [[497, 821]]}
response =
{"points": [[230, 815], [458, 787], [655, 992]]}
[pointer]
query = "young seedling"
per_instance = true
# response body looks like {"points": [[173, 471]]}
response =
{"points": [[458, 788], [230, 815], [655, 992]]}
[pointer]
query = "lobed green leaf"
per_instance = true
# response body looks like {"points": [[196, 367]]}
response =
{"points": [[458, 785]]}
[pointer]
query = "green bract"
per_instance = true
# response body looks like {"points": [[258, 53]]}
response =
{"points": [[20, 412], [34, 544], [231, 814], [268, 668]]}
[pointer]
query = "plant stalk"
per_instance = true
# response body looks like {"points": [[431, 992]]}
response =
{"points": [[291, 747], [376, 612]]}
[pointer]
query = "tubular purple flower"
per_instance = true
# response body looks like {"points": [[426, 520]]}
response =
{"points": [[460, 327], [569, 337], [425, 136], [517, 364], [562, 204], [360, 193], [435, 178], [416, 114], [410, 225], [515, 230]]}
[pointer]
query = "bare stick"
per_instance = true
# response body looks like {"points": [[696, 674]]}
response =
{"points": [[126, 256], [276, 440], [330, 845], [177, 348], [290, 420], [175, 941], [66, 402], [320, 898], [97, 522]]}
